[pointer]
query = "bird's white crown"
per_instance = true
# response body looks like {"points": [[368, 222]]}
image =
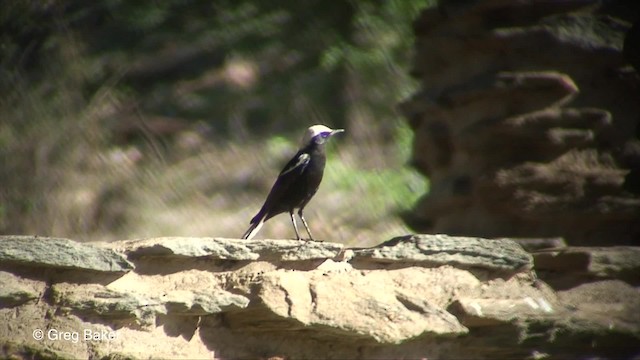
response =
{"points": [[314, 131]]}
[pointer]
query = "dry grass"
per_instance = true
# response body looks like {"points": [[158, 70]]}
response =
{"points": [[216, 191], [62, 177], [93, 191]]}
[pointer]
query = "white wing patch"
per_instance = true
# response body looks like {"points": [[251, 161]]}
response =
{"points": [[255, 230], [303, 160]]}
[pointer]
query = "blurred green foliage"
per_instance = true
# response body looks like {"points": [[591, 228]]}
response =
{"points": [[282, 65]]}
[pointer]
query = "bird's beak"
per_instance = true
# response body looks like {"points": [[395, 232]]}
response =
{"points": [[336, 131]]}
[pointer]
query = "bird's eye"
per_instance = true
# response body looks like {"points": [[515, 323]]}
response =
{"points": [[324, 135]]}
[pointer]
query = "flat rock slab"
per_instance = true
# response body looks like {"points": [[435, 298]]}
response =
{"points": [[613, 262], [437, 250], [59, 253], [491, 312], [203, 302], [366, 307], [15, 291], [123, 308], [230, 249]]}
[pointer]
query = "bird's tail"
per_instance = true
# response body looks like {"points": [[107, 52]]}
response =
{"points": [[256, 224]]}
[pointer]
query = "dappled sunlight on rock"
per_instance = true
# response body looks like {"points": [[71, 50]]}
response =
{"points": [[412, 296]]}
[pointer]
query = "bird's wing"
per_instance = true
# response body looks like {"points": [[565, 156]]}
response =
{"points": [[296, 164], [294, 168]]}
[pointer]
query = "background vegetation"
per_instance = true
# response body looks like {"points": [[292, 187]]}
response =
{"points": [[126, 119]]}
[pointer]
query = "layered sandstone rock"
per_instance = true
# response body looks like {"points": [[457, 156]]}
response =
{"points": [[420, 296], [527, 121]]}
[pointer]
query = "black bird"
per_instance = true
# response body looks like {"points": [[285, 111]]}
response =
{"points": [[297, 182]]}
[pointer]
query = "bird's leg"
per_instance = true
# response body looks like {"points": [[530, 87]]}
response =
{"points": [[295, 226], [306, 226]]}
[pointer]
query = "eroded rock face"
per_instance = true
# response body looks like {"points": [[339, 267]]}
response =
{"points": [[527, 121], [419, 296]]}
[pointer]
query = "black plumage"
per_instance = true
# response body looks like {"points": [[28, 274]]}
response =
{"points": [[297, 182]]}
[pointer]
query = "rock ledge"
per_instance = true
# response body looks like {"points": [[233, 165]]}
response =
{"points": [[412, 296]]}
